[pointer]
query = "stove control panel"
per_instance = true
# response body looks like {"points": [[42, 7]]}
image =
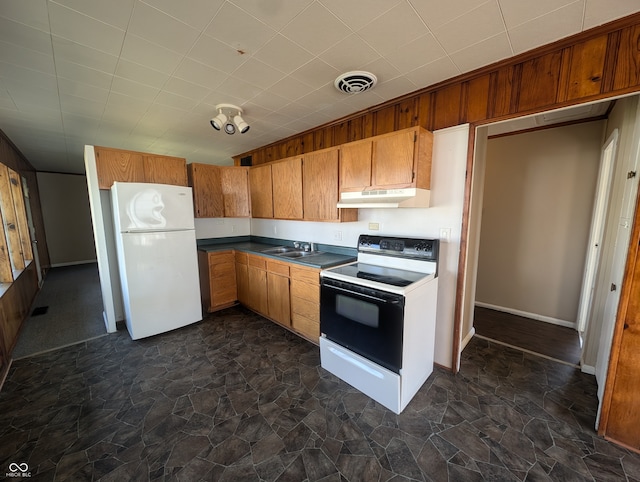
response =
{"points": [[425, 249]]}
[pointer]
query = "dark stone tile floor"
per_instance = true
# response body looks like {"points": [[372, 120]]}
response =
{"points": [[237, 398]]}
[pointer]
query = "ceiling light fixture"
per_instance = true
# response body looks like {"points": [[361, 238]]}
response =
{"points": [[223, 121]]}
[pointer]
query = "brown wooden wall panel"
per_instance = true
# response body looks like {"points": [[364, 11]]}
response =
{"points": [[385, 120], [447, 107], [539, 82], [293, 147], [478, 99], [592, 65], [308, 142], [627, 68], [586, 68]]}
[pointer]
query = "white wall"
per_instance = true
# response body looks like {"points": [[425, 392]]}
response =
{"points": [[539, 189], [447, 198], [222, 227], [67, 219]]}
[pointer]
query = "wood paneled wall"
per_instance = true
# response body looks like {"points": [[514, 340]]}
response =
{"points": [[599, 63]]}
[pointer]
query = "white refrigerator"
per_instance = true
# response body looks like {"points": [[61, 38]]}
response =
{"points": [[157, 256]]}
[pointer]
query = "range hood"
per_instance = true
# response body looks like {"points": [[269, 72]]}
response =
{"points": [[386, 198]]}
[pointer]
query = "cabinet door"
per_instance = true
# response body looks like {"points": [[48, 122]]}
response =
{"points": [[257, 280], [235, 191], [355, 165], [242, 278], [278, 293], [222, 275], [320, 181], [287, 189], [261, 191], [165, 170], [207, 196], [393, 160], [117, 165]]}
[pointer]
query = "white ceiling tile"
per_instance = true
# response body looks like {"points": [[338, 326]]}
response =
{"points": [[70, 70], [84, 91], [80, 54], [113, 12], [394, 88], [186, 89], [436, 13], [598, 12], [355, 14], [146, 53], [216, 54], [141, 74], [423, 50], [16, 77], [77, 105], [516, 12], [74, 26], [316, 29], [288, 89], [351, 53], [548, 28], [134, 89], [471, 28], [322, 98], [239, 30], [282, 54], [33, 13], [397, 27], [27, 100], [175, 101], [238, 89], [437, 71], [274, 13], [197, 13], [382, 69], [29, 59], [258, 73], [158, 27], [483, 53], [316, 73], [199, 73], [363, 100], [78, 123], [25, 36]]}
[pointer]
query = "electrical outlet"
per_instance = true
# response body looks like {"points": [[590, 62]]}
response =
{"points": [[374, 226], [337, 235], [275, 230], [445, 234]]}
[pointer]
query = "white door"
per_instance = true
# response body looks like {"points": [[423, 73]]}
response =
{"points": [[32, 230], [607, 158]]}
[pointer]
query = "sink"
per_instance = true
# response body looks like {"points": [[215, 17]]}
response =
{"points": [[279, 250], [299, 254]]}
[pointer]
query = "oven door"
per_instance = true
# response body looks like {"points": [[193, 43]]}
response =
{"points": [[366, 321]]}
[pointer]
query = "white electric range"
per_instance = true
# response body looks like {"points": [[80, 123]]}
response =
{"points": [[377, 318]]}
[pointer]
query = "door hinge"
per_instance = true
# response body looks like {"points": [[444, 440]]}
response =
{"points": [[631, 174], [613, 287]]}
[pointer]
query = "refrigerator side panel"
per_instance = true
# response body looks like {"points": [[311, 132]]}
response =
{"points": [[144, 207], [159, 274]]}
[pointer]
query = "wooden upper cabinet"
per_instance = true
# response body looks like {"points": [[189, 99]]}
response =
{"points": [[128, 166], [287, 188], [320, 187], [261, 190], [165, 170], [117, 165], [355, 165], [235, 191], [395, 160], [205, 179]]}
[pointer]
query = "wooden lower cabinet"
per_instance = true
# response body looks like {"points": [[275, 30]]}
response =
{"points": [[242, 277], [278, 292], [257, 283], [305, 302], [217, 279]]}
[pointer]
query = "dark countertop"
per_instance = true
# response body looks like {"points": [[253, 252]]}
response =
{"points": [[328, 256]]}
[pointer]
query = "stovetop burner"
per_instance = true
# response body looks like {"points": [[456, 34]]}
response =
{"points": [[386, 279]]}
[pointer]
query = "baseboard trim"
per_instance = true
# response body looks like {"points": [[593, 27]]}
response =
{"points": [[588, 369], [74, 263], [524, 350], [533, 316], [467, 338]]}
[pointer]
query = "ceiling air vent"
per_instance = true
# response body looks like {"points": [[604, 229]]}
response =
{"points": [[355, 82]]}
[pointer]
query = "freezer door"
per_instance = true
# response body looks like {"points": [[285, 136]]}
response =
{"points": [[144, 207], [160, 284]]}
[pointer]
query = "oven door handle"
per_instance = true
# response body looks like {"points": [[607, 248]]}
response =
{"points": [[381, 300]]}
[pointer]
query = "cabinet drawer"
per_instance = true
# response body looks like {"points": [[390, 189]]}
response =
{"points": [[241, 258], [278, 267], [223, 270], [221, 257], [305, 308], [306, 291], [308, 275], [308, 328], [257, 261]]}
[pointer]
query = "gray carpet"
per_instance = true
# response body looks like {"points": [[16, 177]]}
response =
{"points": [[72, 304]]}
